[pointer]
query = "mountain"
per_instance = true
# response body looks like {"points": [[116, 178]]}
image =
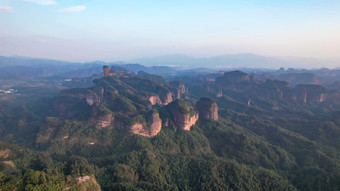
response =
{"points": [[228, 130], [244, 60]]}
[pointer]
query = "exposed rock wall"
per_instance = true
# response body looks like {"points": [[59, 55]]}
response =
{"points": [[167, 98], [183, 114], [151, 129], [108, 72], [155, 100], [207, 109], [184, 122]]}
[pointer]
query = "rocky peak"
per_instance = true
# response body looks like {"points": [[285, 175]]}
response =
{"points": [[183, 113], [236, 80], [236, 77], [207, 109], [108, 72]]}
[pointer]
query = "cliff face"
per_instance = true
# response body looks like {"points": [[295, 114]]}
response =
{"points": [[184, 122], [150, 128], [183, 114], [310, 93], [207, 109], [92, 98], [108, 72], [275, 89], [167, 98], [181, 88], [155, 100]]}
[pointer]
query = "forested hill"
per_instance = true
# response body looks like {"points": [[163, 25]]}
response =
{"points": [[140, 131]]}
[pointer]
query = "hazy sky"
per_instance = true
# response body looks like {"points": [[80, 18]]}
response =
{"points": [[124, 29]]}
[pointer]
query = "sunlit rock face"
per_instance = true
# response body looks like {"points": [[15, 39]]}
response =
{"points": [[155, 100], [207, 109], [183, 113], [149, 129], [167, 98]]}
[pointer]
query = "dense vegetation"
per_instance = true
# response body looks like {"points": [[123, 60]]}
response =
{"points": [[262, 144]]}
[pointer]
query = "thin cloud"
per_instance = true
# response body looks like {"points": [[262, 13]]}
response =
{"points": [[6, 8], [42, 2], [73, 9]]}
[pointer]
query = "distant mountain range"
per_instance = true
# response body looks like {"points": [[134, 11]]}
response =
{"points": [[244, 60], [179, 61]]}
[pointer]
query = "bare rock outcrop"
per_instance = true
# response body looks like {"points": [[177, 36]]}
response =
{"points": [[155, 100], [167, 98], [149, 129], [92, 98], [308, 93], [108, 72], [183, 113], [207, 109]]}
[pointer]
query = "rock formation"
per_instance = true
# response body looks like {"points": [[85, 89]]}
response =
{"points": [[155, 100], [310, 93], [108, 72], [179, 85], [149, 129], [233, 77], [167, 98], [236, 80], [92, 98], [183, 114], [207, 109]]}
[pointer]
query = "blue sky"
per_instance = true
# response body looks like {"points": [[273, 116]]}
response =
{"points": [[82, 30]]}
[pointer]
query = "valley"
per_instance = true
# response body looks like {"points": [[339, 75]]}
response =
{"points": [[118, 126]]}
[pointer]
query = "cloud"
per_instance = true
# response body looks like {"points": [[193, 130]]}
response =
{"points": [[5, 9], [42, 2], [73, 9]]}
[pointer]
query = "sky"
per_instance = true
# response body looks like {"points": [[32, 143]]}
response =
{"points": [[109, 30]]}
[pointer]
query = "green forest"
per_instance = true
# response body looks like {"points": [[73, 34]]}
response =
{"points": [[258, 142]]}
